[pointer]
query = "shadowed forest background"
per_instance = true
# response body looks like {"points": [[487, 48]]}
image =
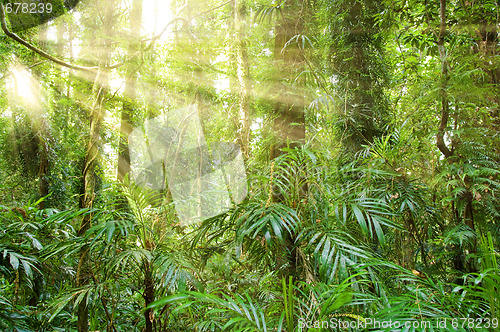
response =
{"points": [[369, 132]]}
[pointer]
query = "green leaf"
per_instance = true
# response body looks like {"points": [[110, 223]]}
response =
{"points": [[341, 299], [14, 261], [168, 299]]}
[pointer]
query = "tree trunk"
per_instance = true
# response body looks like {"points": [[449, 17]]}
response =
{"points": [[358, 52], [130, 90], [289, 106], [243, 76], [148, 296], [90, 161], [444, 84], [89, 178], [289, 123]]}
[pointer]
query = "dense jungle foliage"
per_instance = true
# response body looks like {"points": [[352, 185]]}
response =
{"points": [[249, 165]]}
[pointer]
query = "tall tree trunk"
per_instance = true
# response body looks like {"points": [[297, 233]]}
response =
{"points": [[358, 64], [289, 107], [91, 156], [444, 83], [130, 90], [243, 76], [289, 123], [89, 178]]}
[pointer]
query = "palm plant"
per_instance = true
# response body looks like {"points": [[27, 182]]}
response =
{"points": [[132, 256], [26, 279]]}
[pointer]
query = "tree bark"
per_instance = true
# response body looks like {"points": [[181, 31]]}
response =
{"points": [[148, 296], [359, 65]]}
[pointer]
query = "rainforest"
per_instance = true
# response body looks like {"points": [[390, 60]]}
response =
{"points": [[249, 165]]}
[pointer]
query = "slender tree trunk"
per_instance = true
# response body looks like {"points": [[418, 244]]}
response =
{"points": [[243, 76], [130, 91], [149, 296], [89, 178], [91, 159], [444, 84]]}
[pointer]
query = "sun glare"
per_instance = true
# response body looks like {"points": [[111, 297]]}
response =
{"points": [[24, 89], [155, 17]]}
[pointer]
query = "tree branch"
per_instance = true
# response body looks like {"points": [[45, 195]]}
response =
{"points": [[186, 21], [43, 53], [175, 19]]}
